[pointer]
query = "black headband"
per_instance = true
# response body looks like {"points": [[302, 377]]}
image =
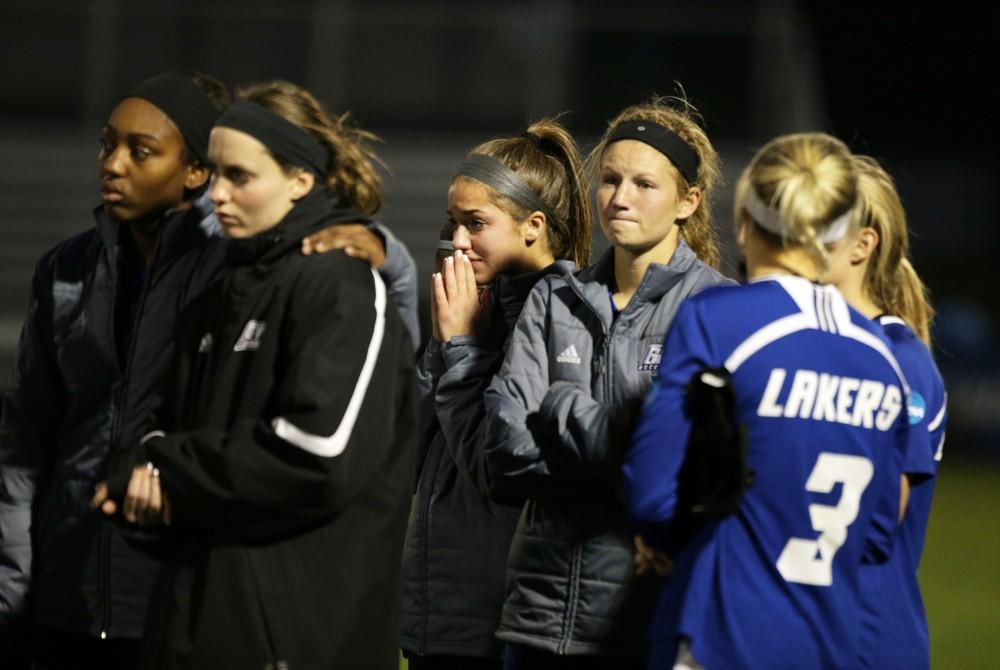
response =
{"points": [[187, 106], [504, 181], [664, 140], [284, 139]]}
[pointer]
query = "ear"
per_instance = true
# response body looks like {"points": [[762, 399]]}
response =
{"points": [[864, 246], [689, 203], [197, 175], [302, 183], [534, 227], [742, 230]]}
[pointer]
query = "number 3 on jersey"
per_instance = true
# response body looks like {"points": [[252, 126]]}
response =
{"points": [[811, 561]]}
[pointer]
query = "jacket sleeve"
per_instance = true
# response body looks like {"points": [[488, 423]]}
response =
{"points": [[33, 407], [400, 273], [659, 444], [525, 457], [469, 365], [331, 426]]}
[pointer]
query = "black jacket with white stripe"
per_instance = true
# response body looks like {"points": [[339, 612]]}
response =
{"points": [[286, 457]]}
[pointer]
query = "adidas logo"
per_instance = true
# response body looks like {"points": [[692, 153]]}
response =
{"points": [[569, 355]]}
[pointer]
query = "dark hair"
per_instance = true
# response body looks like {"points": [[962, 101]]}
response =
{"points": [[214, 90], [350, 172], [547, 159]]}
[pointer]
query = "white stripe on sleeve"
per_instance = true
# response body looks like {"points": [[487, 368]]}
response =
{"points": [[335, 444]]}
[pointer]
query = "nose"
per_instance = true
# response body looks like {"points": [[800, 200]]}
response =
{"points": [[112, 164], [218, 192], [619, 199], [460, 239]]}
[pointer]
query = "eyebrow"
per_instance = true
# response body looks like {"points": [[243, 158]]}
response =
{"points": [[132, 136], [231, 167], [465, 212]]}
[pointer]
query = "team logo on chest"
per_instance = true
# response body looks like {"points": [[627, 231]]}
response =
{"points": [[250, 337], [651, 361]]}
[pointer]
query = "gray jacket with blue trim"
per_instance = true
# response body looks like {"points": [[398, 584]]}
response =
{"points": [[571, 373]]}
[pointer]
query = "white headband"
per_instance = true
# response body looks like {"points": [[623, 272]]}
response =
{"points": [[769, 219]]}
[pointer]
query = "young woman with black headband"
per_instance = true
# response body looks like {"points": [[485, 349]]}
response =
{"points": [[97, 339], [517, 210], [585, 350], [283, 448]]}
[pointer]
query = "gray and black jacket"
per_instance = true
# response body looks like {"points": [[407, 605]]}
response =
{"points": [[572, 371], [455, 554]]}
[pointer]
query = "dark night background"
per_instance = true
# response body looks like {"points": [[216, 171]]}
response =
{"points": [[916, 88]]}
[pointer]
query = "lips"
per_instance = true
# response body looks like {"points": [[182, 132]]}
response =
{"points": [[227, 219], [111, 196]]}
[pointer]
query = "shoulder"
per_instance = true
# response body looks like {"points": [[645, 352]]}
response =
{"points": [[72, 260], [73, 250], [318, 281], [701, 276], [758, 302], [330, 267], [914, 357]]}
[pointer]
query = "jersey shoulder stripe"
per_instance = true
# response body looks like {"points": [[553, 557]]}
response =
{"points": [[820, 308]]}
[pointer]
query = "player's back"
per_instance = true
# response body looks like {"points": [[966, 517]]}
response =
{"points": [[776, 584]]}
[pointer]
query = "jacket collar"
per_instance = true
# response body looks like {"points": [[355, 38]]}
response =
{"points": [[512, 292], [179, 231], [593, 283], [319, 209]]}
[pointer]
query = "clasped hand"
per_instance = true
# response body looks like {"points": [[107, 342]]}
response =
{"points": [[145, 502], [458, 307]]}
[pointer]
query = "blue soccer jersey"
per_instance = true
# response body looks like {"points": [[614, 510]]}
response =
{"points": [[775, 585], [894, 627]]}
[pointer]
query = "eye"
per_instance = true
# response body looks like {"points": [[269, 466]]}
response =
{"points": [[642, 183], [104, 146], [238, 177], [609, 179], [139, 154]]}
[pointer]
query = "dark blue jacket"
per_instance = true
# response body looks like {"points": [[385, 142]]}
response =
{"points": [[72, 402]]}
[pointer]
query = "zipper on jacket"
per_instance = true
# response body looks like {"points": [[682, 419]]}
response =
{"points": [[117, 412], [423, 532], [104, 560]]}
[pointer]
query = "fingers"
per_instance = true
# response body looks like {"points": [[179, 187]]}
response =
{"points": [[448, 274], [333, 237], [136, 486], [435, 328], [440, 295], [100, 495], [168, 515], [465, 276], [151, 513], [143, 499]]}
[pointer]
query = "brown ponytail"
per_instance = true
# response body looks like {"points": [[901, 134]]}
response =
{"points": [[350, 172], [547, 159]]}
